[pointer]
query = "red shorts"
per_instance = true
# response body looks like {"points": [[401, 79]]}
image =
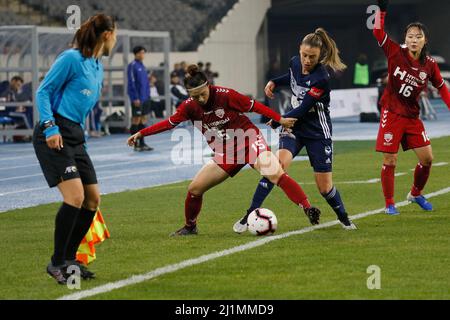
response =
{"points": [[395, 129], [237, 157]]}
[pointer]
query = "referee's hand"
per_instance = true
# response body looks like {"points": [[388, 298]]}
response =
{"points": [[55, 142], [132, 140]]}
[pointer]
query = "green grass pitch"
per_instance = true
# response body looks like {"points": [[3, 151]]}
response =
{"points": [[412, 249]]}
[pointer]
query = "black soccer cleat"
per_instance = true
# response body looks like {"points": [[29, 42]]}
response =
{"points": [[84, 272], [145, 147], [58, 273], [185, 231], [313, 215]]}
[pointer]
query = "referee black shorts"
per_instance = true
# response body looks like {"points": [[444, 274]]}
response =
{"points": [[71, 162]]}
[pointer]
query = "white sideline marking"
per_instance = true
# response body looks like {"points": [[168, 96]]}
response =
{"points": [[218, 254]]}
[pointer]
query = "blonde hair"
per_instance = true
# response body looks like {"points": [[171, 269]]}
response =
{"points": [[329, 50]]}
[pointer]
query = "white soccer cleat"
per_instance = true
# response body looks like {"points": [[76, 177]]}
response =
{"points": [[347, 224], [239, 227], [352, 226]]}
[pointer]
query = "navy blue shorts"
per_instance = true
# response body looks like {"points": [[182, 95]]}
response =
{"points": [[320, 152]]}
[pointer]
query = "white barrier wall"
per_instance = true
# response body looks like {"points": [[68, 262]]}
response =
{"points": [[232, 46], [351, 102]]}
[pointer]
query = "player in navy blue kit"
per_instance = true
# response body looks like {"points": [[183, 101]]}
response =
{"points": [[308, 78]]}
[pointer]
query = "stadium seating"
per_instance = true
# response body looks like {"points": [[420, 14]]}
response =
{"points": [[189, 21]]}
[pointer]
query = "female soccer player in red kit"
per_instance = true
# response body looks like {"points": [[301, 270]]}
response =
{"points": [[409, 68], [236, 141]]}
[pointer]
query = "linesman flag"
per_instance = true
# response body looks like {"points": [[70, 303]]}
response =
{"points": [[97, 233]]}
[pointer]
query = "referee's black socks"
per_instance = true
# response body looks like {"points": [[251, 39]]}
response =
{"points": [[140, 127], [64, 222], [81, 227], [134, 129]]}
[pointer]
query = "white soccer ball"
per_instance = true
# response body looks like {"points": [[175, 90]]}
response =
{"points": [[262, 222]]}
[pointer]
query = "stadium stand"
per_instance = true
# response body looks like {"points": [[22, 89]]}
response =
{"points": [[189, 24]]}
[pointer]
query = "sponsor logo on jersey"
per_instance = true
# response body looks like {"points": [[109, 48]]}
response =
{"points": [[216, 124], [86, 92], [220, 113], [71, 169]]}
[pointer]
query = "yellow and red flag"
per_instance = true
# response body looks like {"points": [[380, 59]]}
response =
{"points": [[97, 233]]}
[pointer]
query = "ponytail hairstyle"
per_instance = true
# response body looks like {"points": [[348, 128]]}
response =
{"points": [[329, 52], [194, 78], [89, 34], [424, 29]]}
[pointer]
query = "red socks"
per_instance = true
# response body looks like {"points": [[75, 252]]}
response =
{"points": [[420, 179], [293, 191], [387, 182], [192, 208]]}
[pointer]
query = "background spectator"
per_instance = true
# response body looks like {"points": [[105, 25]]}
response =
{"points": [[139, 93], [361, 76]]}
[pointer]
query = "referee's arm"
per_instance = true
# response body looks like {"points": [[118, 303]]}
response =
{"points": [[59, 73]]}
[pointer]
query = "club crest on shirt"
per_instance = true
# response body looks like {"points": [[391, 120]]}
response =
{"points": [[328, 150], [423, 76], [388, 138], [220, 113]]}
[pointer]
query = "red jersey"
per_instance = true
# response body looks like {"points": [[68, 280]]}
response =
{"points": [[221, 120], [407, 77]]}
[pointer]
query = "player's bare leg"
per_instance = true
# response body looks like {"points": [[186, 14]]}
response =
{"points": [[268, 165], [324, 182], [208, 177], [387, 182], [421, 174]]}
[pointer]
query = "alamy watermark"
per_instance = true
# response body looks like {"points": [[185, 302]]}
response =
{"points": [[373, 21], [374, 280], [74, 280], [73, 22], [227, 146]]}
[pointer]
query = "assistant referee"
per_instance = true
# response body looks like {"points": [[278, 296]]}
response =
{"points": [[66, 96]]}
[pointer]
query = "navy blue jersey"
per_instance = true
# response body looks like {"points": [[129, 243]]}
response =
{"points": [[310, 100]]}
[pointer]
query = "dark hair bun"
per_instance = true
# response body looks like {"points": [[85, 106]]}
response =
{"points": [[192, 70]]}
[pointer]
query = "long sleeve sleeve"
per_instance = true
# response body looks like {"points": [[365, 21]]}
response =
{"points": [[445, 95], [284, 80], [159, 127], [132, 91], [384, 41], [243, 103], [309, 101], [265, 111], [60, 72], [181, 115]]}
